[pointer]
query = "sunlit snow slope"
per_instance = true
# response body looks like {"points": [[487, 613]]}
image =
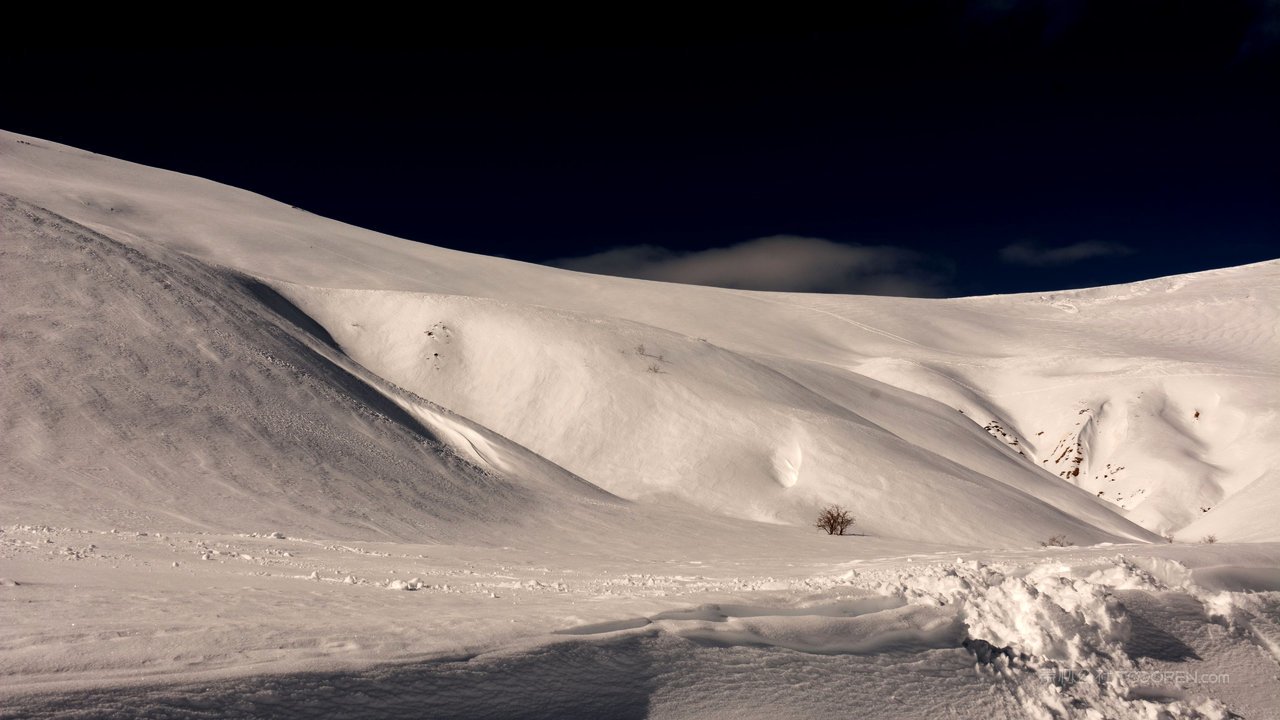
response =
{"points": [[146, 389], [216, 355]]}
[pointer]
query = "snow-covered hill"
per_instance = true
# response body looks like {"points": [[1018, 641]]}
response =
{"points": [[228, 427], [150, 390], [1156, 399]]}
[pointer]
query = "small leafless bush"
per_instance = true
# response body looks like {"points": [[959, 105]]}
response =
{"points": [[654, 368], [1209, 539], [835, 520], [1056, 541]]}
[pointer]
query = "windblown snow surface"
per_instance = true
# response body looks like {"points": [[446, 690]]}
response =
{"points": [[257, 463]]}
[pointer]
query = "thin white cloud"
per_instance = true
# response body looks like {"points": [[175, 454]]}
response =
{"points": [[781, 262], [1039, 255]]}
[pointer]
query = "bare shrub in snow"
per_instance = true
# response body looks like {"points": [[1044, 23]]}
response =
{"points": [[834, 519], [654, 368], [1209, 539], [1056, 541]]}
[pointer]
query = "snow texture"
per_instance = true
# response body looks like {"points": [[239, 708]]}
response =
{"points": [[230, 427]]}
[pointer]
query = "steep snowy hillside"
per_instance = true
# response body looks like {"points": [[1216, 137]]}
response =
{"points": [[1157, 399], [674, 415], [144, 389], [639, 409]]}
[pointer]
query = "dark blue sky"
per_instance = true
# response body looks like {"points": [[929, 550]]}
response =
{"points": [[963, 148]]}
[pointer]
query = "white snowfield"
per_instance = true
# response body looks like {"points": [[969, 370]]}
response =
{"points": [[254, 462]]}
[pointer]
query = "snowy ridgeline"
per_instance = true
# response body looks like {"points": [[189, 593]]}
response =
{"points": [[1107, 414], [530, 477]]}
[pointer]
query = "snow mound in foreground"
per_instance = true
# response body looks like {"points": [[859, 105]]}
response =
{"points": [[249, 625], [1075, 648], [1074, 639]]}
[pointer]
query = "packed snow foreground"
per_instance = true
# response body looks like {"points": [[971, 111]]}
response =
{"points": [[258, 463]]}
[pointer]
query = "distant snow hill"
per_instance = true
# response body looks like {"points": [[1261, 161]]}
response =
{"points": [[175, 351]]}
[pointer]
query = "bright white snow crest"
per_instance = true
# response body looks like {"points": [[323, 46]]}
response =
{"points": [[230, 427]]}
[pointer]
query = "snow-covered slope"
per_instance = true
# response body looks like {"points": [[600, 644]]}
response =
{"points": [[603, 377], [1156, 398], [1159, 397], [146, 389], [382, 479]]}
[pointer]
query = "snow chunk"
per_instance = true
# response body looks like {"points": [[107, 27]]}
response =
{"points": [[414, 584]]}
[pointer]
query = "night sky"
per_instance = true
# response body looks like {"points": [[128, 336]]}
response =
{"points": [[938, 149]]}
